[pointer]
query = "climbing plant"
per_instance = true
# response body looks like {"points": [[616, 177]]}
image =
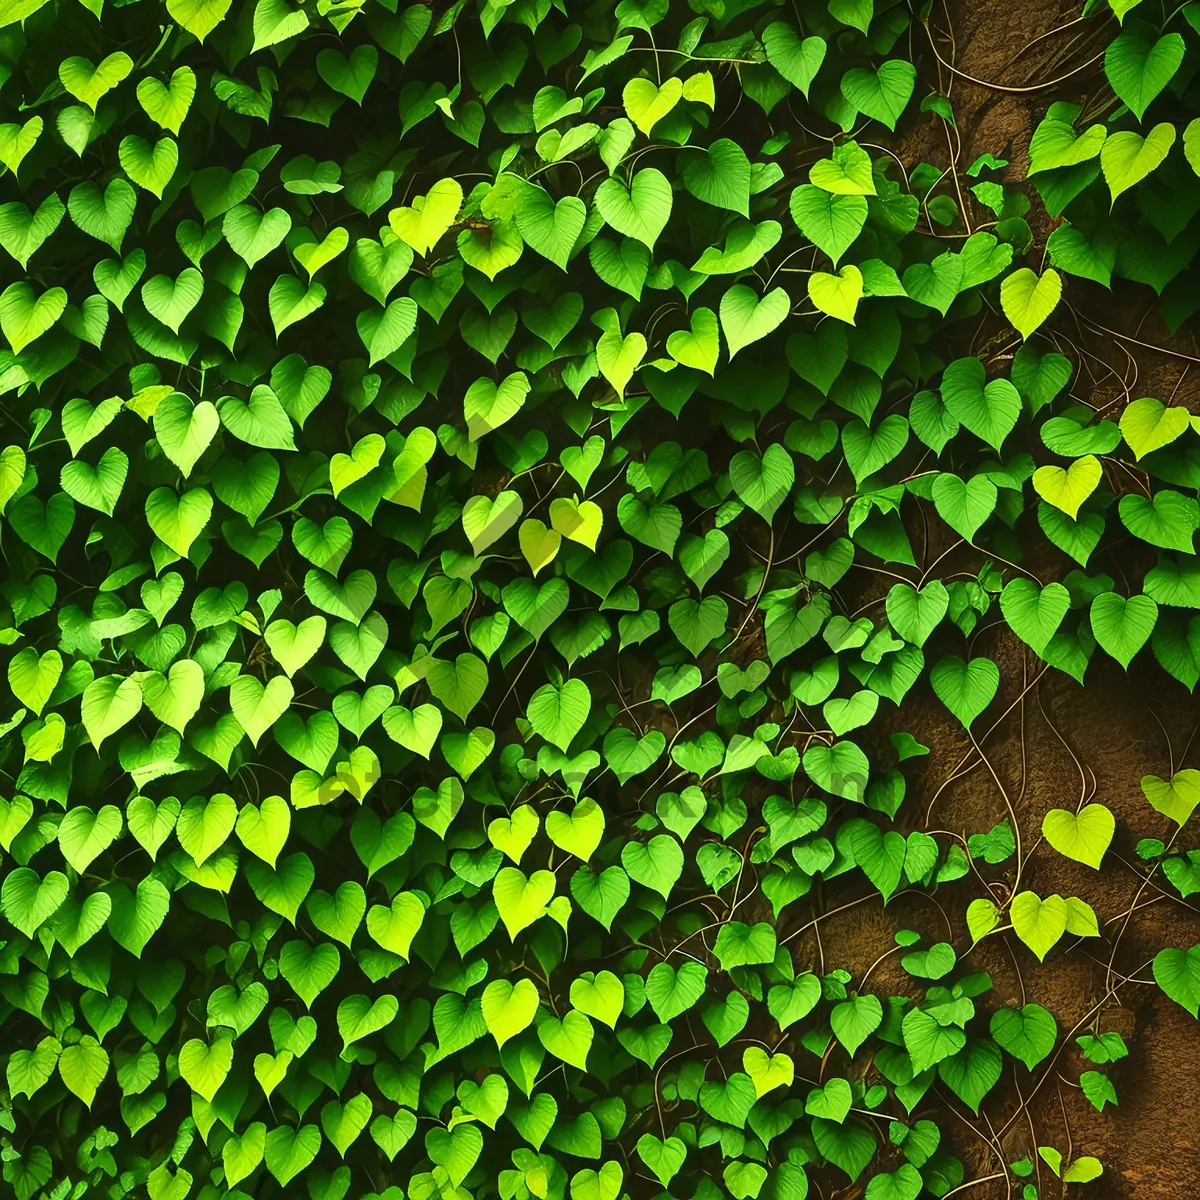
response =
{"points": [[1123, 187], [484, 487]]}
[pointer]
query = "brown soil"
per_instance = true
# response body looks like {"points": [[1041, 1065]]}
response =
{"points": [[1061, 740]]}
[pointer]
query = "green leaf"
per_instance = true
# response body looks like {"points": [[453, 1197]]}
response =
{"points": [[84, 835], [927, 1042], [394, 926], [854, 1020], [16, 141], [1148, 425], [242, 1154], [1034, 614], [936, 284], [521, 900], [697, 623], [150, 167], [1083, 836], [665, 1159], [109, 704], [204, 824], [882, 94], [847, 171], [656, 864], [29, 900], [1177, 797], [601, 895], [849, 1146], [845, 715], [600, 995], [282, 889], [458, 685], [259, 421], [90, 84], [274, 22], [1191, 144], [167, 104], [964, 506], [198, 17], [351, 76], [184, 431], [106, 216], [618, 358], [512, 835], [1123, 626], [719, 176], [1028, 299], [578, 832], [44, 528], [973, 1071], [559, 713], [831, 221], [837, 295], [97, 487], [1039, 923], [486, 406], [1166, 519], [1055, 144], [745, 318], [344, 1123], [880, 855], [1027, 1033], [868, 451], [204, 1067], [294, 645], [990, 411], [739, 945], [290, 1151], [769, 1071], [29, 1071], [841, 769], [698, 346], [1127, 157], [763, 484], [83, 1068], [290, 301], [647, 104], [22, 233], [174, 697], [1140, 64], [673, 991], [1177, 972], [384, 333], [913, 614], [26, 316], [569, 1038], [796, 59], [486, 520], [965, 688], [1068, 487], [904, 1183], [509, 1008], [550, 228], [359, 1017], [831, 1102], [263, 828], [1083, 1170], [33, 677]]}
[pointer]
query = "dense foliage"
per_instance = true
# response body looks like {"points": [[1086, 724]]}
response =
{"points": [[450, 455]]}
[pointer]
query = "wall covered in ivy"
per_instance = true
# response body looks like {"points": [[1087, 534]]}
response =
{"points": [[491, 496]]}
